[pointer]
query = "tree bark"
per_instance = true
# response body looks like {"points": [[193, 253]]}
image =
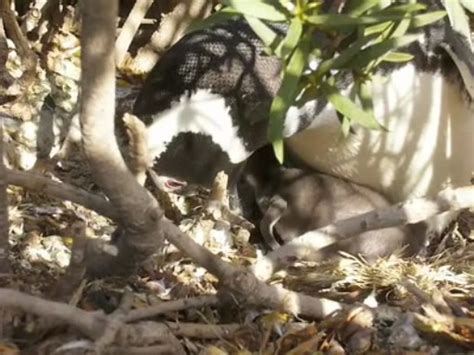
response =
{"points": [[140, 214], [15, 33], [4, 240], [5, 78]]}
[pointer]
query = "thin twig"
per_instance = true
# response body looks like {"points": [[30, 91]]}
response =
{"points": [[4, 226], [130, 27], [76, 269], [42, 184], [27, 56], [171, 306], [90, 324], [116, 322]]}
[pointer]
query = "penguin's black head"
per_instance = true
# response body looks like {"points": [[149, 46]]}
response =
{"points": [[192, 159], [194, 139]]}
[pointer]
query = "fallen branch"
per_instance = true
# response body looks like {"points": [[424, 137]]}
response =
{"points": [[243, 286], [88, 323], [308, 245], [76, 270], [63, 191], [171, 306], [95, 324], [115, 322], [202, 331]]}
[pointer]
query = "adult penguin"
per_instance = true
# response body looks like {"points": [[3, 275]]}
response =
{"points": [[206, 104], [207, 100]]}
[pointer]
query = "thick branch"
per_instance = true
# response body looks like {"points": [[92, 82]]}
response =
{"points": [[139, 212], [412, 211]]}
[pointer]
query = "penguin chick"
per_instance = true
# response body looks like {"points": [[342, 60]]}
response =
{"points": [[294, 201]]}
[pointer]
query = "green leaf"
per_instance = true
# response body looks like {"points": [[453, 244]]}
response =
{"points": [[291, 39], [346, 121], [364, 92], [287, 93], [359, 7], [378, 50], [257, 8], [265, 33], [348, 108], [223, 15], [458, 18], [401, 28], [381, 27], [343, 58], [341, 21], [426, 19], [345, 125], [468, 5], [279, 150], [397, 57], [365, 95], [400, 9]]}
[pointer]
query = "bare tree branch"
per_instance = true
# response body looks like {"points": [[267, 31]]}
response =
{"points": [[5, 78], [130, 27], [309, 245], [171, 306], [94, 324], [90, 324], [42, 184], [115, 322], [76, 270], [4, 237], [244, 286], [139, 212], [27, 56], [172, 28]]}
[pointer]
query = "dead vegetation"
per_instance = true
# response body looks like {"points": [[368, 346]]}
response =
{"points": [[196, 291]]}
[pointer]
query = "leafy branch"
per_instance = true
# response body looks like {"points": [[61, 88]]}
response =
{"points": [[358, 36]]}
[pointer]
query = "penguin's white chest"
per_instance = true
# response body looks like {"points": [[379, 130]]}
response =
{"points": [[200, 112], [429, 143]]}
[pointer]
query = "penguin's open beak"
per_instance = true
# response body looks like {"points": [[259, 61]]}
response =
{"points": [[169, 184], [173, 185]]}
